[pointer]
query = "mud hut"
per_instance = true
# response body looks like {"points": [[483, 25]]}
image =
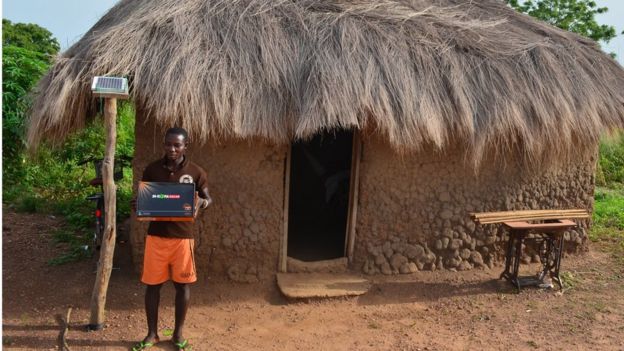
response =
{"points": [[359, 131]]}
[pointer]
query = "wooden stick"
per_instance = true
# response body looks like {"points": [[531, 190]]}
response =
{"points": [[105, 264], [525, 212], [283, 262], [535, 215], [64, 329], [528, 215], [529, 218], [489, 214], [538, 214], [354, 192]]}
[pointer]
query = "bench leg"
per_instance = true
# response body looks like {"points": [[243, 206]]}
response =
{"points": [[554, 274], [516, 268], [508, 258], [512, 257], [550, 257]]}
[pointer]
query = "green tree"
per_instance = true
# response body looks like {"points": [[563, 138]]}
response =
{"points": [[21, 68], [26, 54], [578, 16], [29, 36], [27, 51]]}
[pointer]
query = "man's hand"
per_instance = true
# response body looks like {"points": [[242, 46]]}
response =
{"points": [[203, 203], [205, 199]]}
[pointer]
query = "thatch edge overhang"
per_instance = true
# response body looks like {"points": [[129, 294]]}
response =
{"points": [[436, 73]]}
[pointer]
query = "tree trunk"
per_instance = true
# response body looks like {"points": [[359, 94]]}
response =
{"points": [[105, 264]]}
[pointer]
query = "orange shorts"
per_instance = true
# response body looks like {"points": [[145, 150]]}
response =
{"points": [[168, 258]]}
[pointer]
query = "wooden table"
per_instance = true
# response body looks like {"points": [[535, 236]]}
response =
{"points": [[550, 250]]}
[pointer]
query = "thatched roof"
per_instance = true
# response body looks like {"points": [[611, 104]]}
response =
{"points": [[417, 71]]}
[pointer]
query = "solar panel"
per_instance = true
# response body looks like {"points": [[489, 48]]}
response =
{"points": [[114, 85]]}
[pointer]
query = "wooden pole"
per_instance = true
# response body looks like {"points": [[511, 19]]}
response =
{"points": [[353, 195], [282, 265], [105, 264]]}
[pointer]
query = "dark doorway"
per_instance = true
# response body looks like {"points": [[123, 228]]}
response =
{"points": [[318, 206]]}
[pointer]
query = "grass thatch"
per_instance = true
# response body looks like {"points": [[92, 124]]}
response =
{"points": [[419, 72]]}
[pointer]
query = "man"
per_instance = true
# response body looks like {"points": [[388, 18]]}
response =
{"points": [[169, 245]]}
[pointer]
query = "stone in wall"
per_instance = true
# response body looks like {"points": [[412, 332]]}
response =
{"points": [[242, 274]]}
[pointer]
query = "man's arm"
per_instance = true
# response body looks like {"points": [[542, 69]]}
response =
{"points": [[204, 198]]}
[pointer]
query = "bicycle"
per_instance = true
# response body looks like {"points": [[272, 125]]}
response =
{"points": [[98, 198]]}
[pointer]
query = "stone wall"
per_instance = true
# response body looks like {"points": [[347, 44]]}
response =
{"points": [[414, 209], [239, 233]]}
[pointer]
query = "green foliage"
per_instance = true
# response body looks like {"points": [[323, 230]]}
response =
{"points": [[75, 253], [578, 16], [77, 249], [21, 68], [29, 204], [609, 208], [53, 182], [30, 37], [26, 53], [55, 179], [608, 228], [610, 168], [569, 280]]}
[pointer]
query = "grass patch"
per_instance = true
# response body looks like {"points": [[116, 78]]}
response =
{"points": [[610, 167], [68, 236], [75, 240], [609, 207], [569, 280], [75, 253], [608, 228]]}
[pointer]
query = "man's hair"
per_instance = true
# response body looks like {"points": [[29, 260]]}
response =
{"points": [[177, 131]]}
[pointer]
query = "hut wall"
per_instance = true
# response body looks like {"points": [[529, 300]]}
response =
{"points": [[414, 209], [239, 233]]}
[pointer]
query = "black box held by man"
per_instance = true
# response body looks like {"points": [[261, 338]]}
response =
{"points": [[161, 201]]}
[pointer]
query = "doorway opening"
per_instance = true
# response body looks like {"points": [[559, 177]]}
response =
{"points": [[318, 208]]}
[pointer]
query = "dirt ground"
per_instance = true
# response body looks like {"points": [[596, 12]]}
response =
{"points": [[422, 311]]}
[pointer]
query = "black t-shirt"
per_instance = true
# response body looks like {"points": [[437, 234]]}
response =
{"points": [[187, 172]]}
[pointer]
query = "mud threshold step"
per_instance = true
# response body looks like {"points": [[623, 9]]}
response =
{"points": [[315, 285]]}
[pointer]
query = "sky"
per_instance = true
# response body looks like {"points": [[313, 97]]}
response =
{"points": [[68, 20]]}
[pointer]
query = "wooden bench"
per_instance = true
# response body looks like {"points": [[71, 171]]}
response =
{"points": [[553, 224]]}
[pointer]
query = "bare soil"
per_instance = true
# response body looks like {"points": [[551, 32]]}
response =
{"points": [[423, 311]]}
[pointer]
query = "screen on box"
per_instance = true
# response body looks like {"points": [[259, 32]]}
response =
{"points": [[157, 199]]}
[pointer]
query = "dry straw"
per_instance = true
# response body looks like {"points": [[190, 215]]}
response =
{"points": [[432, 72]]}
